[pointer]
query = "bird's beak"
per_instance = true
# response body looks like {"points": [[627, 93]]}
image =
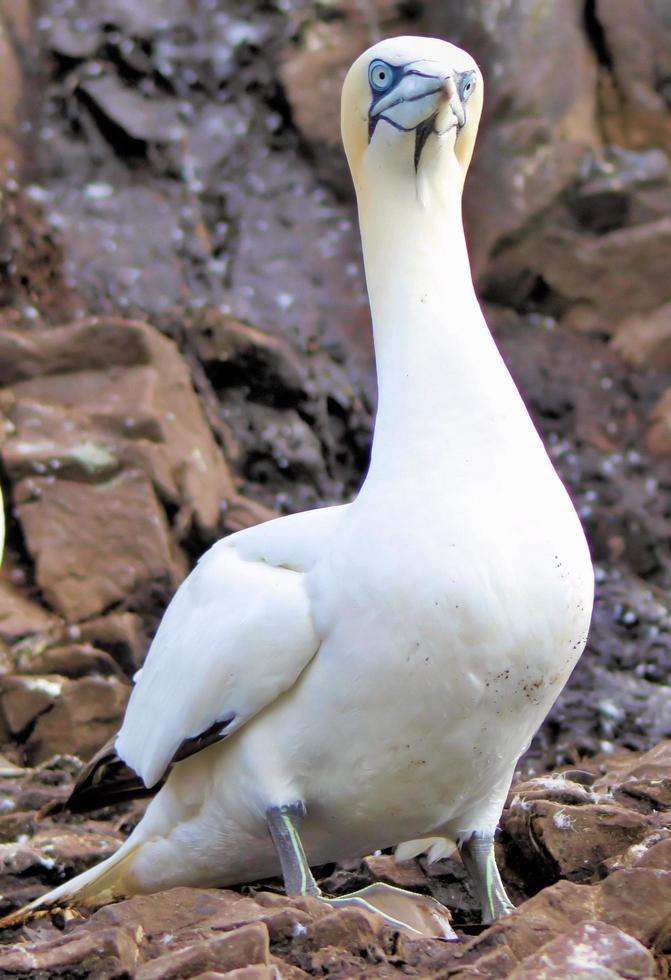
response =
{"points": [[418, 96]]}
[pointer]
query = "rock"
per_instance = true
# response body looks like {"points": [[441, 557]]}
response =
{"points": [[74, 849], [58, 854], [110, 432], [70, 660], [312, 73], [634, 902], [645, 340], [552, 218], [640, 779], [257, 972], [106, 953], [653, 851], [589, 280], [349, 928], [534, 134], [23, 699], [617, 188], [20, 616], [575, 840], [553, 226], [15, 29], [83, 569], [182, 910], [636, 94], [602, 273], [17, 859], [403, 874], [589, 950], [237, 353], [658, 439], [82, 716], [146, 120], [239, 948]]}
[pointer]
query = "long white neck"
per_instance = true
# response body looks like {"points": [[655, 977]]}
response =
{"points": [[444, 393]]}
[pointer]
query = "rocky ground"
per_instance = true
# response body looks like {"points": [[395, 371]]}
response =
{"points": [[184, 350]]}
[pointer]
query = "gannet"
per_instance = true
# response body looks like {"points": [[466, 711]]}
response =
{"points": [[367, 675]]}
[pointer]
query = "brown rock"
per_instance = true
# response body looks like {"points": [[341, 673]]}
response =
{"points": [[640, 777], [638, 40], [74, 849], [652, 852], [645, 340], [239, 948], [657, 854], [106, 427], [403, 874], [73, 660], [15, 25], [151, 120], [20, 616], [22, 699], [555, 787], [634, 900], [658, 439], [181, 909], [575, 839], [121, 634], [313, 71], [590, 949], [349, 928], [106, 953], [82, 717], [94, 544], [239, 349], [16, 859], [257, 972], [533, 134], [591, 277]]}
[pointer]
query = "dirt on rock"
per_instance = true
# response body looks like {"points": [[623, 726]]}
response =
{"points": [[185, 350]]}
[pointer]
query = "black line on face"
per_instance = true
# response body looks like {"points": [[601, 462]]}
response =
{"points": [[374, 120], [422, 133]]}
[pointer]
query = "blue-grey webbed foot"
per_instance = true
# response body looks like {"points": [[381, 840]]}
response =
{"points": [[477, 853], [415, 915]]}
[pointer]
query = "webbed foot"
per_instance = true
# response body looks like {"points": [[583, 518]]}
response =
{"points": [[411, 913], [416, 915]]}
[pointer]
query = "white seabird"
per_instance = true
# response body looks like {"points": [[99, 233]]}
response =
{"points": [[350, 678]]}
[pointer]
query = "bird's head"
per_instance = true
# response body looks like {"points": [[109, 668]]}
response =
{"points": [[411, 106]]}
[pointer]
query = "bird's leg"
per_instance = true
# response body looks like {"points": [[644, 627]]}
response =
{"points": [[477, 853], [283, 823], [416, 915]]}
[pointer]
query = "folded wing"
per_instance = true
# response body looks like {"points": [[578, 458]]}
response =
{"points": [[236, 635]]}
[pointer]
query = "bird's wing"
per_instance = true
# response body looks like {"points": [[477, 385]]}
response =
{"points": [[236, 635]]}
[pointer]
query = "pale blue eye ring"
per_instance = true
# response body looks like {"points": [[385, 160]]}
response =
{"points": [[380, 76], [466, 85]]}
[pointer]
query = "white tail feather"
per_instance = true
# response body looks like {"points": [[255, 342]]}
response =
{"points": [[102, 883]]}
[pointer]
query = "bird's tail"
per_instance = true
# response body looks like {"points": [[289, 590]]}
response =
{"points": [[100, 884]]}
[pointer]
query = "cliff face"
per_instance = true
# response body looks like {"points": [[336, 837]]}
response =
{"points": [[185, 350]]}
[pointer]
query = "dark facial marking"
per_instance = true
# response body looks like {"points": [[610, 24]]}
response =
{"points": [[422, 133]]}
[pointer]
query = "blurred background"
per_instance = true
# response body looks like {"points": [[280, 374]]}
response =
{"points": [[184, 337]]}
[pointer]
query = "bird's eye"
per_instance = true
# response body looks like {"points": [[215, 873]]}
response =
{"points": [[380, 76], [466, 85]]}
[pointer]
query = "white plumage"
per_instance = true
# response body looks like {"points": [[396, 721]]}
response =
{"points": [[385, 662]]}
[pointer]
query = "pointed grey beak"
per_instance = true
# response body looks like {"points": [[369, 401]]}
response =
{"points": [[416, 97]]}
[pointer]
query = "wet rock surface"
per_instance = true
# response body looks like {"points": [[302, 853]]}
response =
{"points": [[185, 350]]}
